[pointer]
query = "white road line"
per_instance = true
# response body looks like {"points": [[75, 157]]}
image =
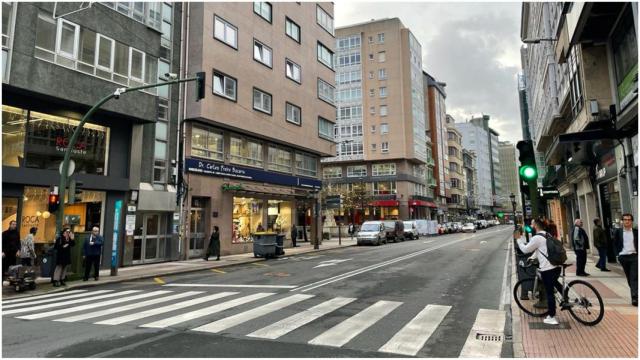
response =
{"points": [[489, 322], [92, 305], [164, 309], [235, 286], [69, 302], [38, 297], [291, 323], [243, 317], [161, 324], [353, 326], [505, 298], [412, 337], [110, 311], [74, 296]]}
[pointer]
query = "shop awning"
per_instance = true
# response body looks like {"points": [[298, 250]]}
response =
{"points": [[388, 203], [422, 203]]}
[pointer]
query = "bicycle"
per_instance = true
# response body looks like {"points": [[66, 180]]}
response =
{"points": [[578, 296]]}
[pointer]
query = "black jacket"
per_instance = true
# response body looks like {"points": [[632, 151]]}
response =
{"points": [[63, 256], [619, 239], [584, 238], [10, 243]]}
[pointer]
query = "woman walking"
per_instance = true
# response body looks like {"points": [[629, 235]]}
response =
{"points": [[214, 244], [63, 245], [27, 251]]}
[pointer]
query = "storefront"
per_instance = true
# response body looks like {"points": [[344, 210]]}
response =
{"points": [[420, 209]]}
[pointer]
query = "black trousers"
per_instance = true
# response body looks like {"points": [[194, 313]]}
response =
{"points": [[293, 241], [550, 280], [89, 262], [26, 261], [581, 261], [630, 266]]}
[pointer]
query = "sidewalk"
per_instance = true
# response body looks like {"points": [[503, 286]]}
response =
{"points": [[169, 268], [615, 336]]}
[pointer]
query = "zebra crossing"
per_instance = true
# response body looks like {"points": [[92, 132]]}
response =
{"points": [[223, 311]]}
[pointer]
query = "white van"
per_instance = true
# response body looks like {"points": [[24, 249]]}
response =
{"points": [[372, 232]]}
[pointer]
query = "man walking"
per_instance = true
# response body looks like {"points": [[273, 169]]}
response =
{"points": [[294, 235], [10, 246], [580, 245], [600, 242], [214, 245], [91, 251], [626, 245]]}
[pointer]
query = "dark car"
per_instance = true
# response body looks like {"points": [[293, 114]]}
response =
{"points": [[394, 230]]}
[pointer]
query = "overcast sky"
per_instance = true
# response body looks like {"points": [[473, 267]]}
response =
{"points": [[473, 47]]}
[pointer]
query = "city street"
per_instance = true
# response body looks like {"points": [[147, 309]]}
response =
{"points": [[414, 298]]}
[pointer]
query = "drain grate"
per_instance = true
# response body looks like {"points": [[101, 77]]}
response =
{"points": [[489, 337]]}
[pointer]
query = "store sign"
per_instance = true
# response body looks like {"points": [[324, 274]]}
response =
{"points": [[130, 224], [211, 168], [606, 168], [229, 187], [116, 230], [628, 88]]}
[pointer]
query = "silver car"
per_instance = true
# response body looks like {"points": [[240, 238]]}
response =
{"points": [[372, 232], [410, 230]]}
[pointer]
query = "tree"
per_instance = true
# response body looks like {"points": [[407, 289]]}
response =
{"points": [[356, 199]]}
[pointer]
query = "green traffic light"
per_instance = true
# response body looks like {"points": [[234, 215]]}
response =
{"points": [[528, 229], [501, 214], [528, 172]]}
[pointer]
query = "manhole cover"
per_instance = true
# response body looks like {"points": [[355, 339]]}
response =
{"points": [[489, 337]]}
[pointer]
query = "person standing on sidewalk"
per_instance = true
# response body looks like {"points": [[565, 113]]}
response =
{"points": [[10, 246], [580, 246], [600, 242], [27, 251], [550, 273], [294, 235], [626, 244], [214, 244], [91, 251], [63, 245]]}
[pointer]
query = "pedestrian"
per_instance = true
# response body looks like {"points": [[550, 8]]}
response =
{"points": [[351, 230], [553, 229], [580, 242], [626, 244], [259, 228], [214, 245], [549, 272], [27, 250], [294, 235], [63, 246], [91, 251], [10, 246], [600, 242]]}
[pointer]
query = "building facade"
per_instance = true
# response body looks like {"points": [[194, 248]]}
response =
{"points": [[457, 207], [509, 171], [471, 183], [58, 63], [380, 130]]}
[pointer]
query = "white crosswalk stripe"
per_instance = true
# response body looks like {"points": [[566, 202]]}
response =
{"points": [[488, 322], [353, 326], [412, 337], [37, 302], [295, 321], [68, 302], [92, 306], [234, 320], [38, 297], [205, 311], [110, 311]]}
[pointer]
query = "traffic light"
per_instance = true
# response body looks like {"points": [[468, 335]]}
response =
{"points": [[74, 191], [200, 85], [528, 171], [54, 202], [500, 214]]}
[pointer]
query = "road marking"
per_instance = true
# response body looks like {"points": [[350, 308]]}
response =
{"points": [[92, 305], [505, 297], [353, 326], [412, 337], [110, 311], [11, 306], [236, 286], [164, 309], [489, 322], [291, 323], [218, 271], [330, 262], [38, 297], [161, 324], [243, 317], [428, 241], [483, 241], [259, 264], [70, 302], [159, 281]]}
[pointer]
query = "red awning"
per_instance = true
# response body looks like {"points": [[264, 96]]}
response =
{"points": [[388, 203], [422, 203]]}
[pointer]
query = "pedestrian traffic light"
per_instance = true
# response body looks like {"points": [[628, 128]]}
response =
{"points": [[75, 192], [54, 202], [200, 85], [527, 226], [500, 214]]}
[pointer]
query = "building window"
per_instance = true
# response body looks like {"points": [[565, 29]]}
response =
{"points": [[262, 53], [373, 129], [306, 165], [224, 85], [454, 167], [348, 77], [14, 128], [383, 169], [148, 13], [325, 55], [371, 56], [624, 45], [383, 110], [372, 92], [372, 110], [384, 187], [384, 128], [382, 56], [246, 152], [453, 151], [357, 171], [348, 59], [325, 128], [373, 147], [292, 29], [455, 183], [7, 14], [263, 9], [326, 91], [324, 19], [261, 101], [575, 82], [332, 172], [384, 147], [382, 74], [294, 114], [293, 71], [207, 144], [350, 112], [351, 42], [279, 159], [370, 74], [370, 39], [162, 137], [163, 68], [225, 32], [351, 148], [350, 94], [383, 92], [381, 38]]}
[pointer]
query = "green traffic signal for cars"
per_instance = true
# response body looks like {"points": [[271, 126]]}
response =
{"points": [[528, 172]]}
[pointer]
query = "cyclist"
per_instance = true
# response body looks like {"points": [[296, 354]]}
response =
{"points": [[550, 273]]}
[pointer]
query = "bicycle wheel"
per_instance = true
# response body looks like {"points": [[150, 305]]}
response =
{"points": [[528, 299], [585, 303]]}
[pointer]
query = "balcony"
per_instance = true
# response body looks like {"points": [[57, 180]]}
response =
{"points": [[432, 183]]}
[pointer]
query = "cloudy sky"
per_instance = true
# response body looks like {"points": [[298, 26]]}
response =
{"points": [[473, 47]]}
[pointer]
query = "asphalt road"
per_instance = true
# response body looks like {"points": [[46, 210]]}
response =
{"points": [[419, 297]]}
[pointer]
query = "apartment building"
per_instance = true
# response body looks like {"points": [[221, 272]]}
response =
{"points": [[59, 59], [380, 130], [456, 203], [509, 170], [471, 183], [252, 147]]}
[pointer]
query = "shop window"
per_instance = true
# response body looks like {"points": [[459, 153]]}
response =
{"points": [[14, 122], [384, 187], [9, 211], [625, 55], [332, 173], [247, 215], [246, 152], [383, 169], [279, 214], [207, 144]]}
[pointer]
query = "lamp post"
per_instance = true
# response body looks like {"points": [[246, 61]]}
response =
{"points": [[513, 204]]}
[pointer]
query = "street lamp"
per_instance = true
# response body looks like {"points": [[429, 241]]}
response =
{"points": [[513, 204]]}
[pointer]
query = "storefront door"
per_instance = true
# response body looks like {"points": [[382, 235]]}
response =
{"points": [[149, 242], [197, 229]]}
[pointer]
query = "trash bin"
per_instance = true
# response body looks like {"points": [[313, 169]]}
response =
{"points": [[264, 245], [280, 244], [48, 262]]}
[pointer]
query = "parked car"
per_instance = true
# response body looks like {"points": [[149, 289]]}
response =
{"points": [[410, 230], [482, 224], [372, 232], [468, 227], [394, 230], [458, 226], [442, 229], [451, 228]]}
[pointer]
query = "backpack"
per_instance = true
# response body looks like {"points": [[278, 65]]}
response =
{"points": [[556, 254]]}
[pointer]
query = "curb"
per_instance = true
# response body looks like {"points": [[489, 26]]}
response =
{"points": [[518, 347]]}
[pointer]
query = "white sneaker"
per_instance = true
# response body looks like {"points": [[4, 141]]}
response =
{"points": [[549, 320]]}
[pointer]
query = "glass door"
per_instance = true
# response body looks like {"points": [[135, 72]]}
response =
{"points": [[152, 230], [196, 228], [148, 239]]}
